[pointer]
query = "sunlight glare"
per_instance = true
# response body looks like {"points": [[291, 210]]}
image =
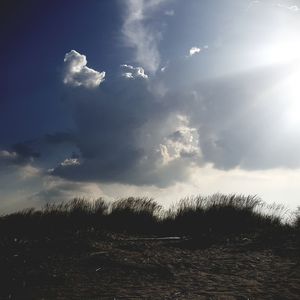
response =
{"points": [[283, 48], [291, 111]]}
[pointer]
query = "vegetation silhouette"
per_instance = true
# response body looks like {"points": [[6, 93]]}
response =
{"points": [[41, 249], [216, 215]]}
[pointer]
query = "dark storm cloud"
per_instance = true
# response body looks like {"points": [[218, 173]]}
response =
{"points": [[40, 152], [18, 154], [59, 138], [111, 140], [107, 122], [24, 151], [127, 132]]}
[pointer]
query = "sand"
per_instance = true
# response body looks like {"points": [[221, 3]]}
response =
{"points": [[119, 266]]}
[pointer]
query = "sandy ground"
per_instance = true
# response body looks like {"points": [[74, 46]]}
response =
{"points": [[125, 267]]}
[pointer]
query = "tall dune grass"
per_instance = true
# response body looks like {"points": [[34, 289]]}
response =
{"points": [[134, 215], [216, 215], [222, 214]]}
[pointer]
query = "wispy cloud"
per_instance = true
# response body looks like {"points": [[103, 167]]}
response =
{"points": [[140, 35], [253, 3], [293, 8]]}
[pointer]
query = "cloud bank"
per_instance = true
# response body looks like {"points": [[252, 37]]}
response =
{"points": [[128, 133], [117, 136]]}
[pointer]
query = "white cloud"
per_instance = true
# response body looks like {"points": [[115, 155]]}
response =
{"points": [[194, 50], [133, 72], [182, 142], [170, 148], [139, 35], [78, 74], [70, 162]]}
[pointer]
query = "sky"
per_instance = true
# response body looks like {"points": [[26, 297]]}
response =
{"points": [[153, 98]]}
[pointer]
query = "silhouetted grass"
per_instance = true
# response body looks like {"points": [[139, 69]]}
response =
{"points": [[297, 220], [135, 215], [222, 214], [55, 219], [216, 215]]}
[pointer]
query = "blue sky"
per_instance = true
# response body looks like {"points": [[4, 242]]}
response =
{"points": [[38, 34], [162, 98]]}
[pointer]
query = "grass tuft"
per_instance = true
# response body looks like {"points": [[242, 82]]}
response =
{"points": [[134, 215]]}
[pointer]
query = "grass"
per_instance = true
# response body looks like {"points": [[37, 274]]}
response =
{"points": [[217, 215], [60, 239], [222, 214], [138, 215], [296, 222]]}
